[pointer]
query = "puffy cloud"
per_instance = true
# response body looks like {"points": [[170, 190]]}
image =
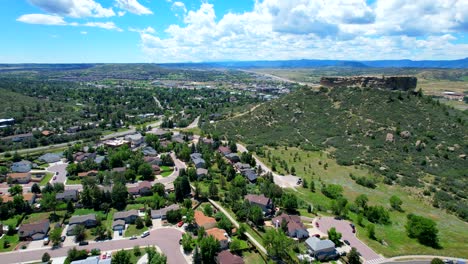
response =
{"points": [[73, 8], [104, 25], [142, 31], [296, 29], [134, 7], [83, 32], [54, 20], [42, 19], [179, 6], [420, 17]]}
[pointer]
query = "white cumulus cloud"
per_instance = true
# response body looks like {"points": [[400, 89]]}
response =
{"points": [[42, 19], [74, 8], [176, 6], [134, 7], [333, 29]]}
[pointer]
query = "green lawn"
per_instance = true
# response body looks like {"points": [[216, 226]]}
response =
{"points": [[69, 181], [166, 171], [252, 257], [134, 206], [11, 221], [133, 231], [35, 217], [133, 259], [46, 178], [453, 232], [110, 219], [84, 211], [14, 240]]}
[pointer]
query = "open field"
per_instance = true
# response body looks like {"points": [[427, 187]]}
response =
{"points": [[453, 231]]}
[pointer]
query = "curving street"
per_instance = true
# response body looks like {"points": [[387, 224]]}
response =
{"points": [[167, 239]]}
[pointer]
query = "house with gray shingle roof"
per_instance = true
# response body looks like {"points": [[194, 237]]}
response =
{"points": [[50, 158], [22, 166], [321, 249]]}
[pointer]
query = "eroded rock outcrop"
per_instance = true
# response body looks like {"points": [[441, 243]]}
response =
{"points": [[388, 83]]}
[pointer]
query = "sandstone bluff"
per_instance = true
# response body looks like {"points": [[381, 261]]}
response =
{"points": [[387, 83]]}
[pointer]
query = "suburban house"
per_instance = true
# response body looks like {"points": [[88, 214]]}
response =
{"points": [[73, 129], [161, 213], [21, 166], [224, 150], [34, 231], [207, 141], [202, 220], [118, 225], [128, 216], [240, 167], [153, 160], [88, 173], [233, 157], [47, 133], [201, 172], [226, 257], [50, 158], [135, 139], [83, 156], [264, 202], [19, 177], [159, 132], [220, 235], [321, 249], [88, 221], [251, 175], [143, 188], [92, 260], [156, 169], [149, 151], [67, 195], [295, 228], [178, 138], [197, 160], [115, 143], [27, 197]]}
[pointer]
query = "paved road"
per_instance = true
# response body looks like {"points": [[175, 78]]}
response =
{"points": [[167, 239], [194, 124], [343, 226], [288, 181]]}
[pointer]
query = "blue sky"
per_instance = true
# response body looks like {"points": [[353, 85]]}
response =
{"points": [[75, 31]]}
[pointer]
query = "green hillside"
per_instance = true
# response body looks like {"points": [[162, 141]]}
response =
{"points": [[357, 126]]}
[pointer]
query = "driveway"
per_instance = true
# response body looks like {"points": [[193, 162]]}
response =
{"points": [[343, 226], [167, 239], [60, 171], [288, 181]]}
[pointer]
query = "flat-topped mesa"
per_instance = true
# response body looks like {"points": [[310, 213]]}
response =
{"points": [[402, 83]]}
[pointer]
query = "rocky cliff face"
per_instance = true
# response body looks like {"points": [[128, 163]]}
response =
{"points": [[387, 83]]}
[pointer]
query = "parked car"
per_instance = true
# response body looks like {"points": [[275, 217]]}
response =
{"points": [[346, 242], [46, 241], [145, 234], [133, 237], [55, 177], [62, 238], [317, 224], [83, 243], [180, 223]]}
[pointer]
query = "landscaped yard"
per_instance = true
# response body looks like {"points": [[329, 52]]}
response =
{"points": [[46, 178], [13, 240], [252, 257], [133, 231], [166, 171], [83, 211], [452, 231], [35, 217], [75, 181]]}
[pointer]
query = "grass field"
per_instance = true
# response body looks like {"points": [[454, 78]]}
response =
{"points": [[84, 211], [253, 257], [134, 206], [35, 217], [453, 231]]}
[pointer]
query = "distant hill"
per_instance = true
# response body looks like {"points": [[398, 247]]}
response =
{"points": [[400, 135], [449, 64]]}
